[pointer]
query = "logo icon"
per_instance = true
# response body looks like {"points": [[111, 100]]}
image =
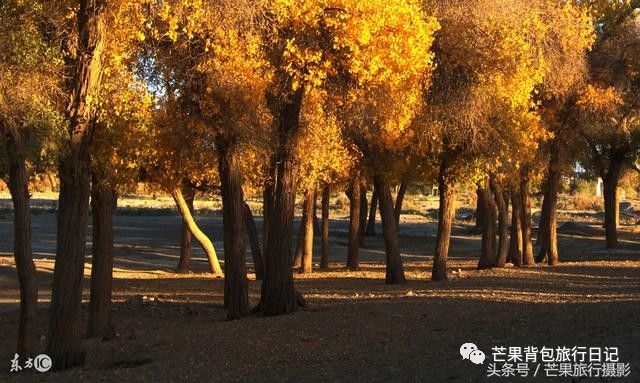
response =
{"points": [[470, 351], [42, 363]]}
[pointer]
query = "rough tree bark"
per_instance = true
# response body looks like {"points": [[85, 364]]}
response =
{"points": [[307, 248], [324, 258], [515, 238], [184, 264], [64, 339], [394, 269], [503, 222], [610, 179], [23, 256], [489, 230], [364, 205], [278, 295], [103, 205], [398, 206], [547, 230], [353, 247], [525, 219], [373, 208], [254, 241], [201, 237], [236, 295], [445, 220]]}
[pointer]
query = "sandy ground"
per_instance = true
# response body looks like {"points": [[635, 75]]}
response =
{"points": [[171, 327]]}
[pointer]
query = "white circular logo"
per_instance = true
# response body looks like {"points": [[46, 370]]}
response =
{"points": [[42, 363]]}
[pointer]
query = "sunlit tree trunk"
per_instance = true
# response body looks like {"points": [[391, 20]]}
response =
{"points": [[489, 230], [394, 269], [547, 231], [503, 222], [353, 252], [324, 258], [364, 205], [610, 180], [235, 274], [373, 208], [297, 257], [184, 264], [525, 219], [64, 338], [399, 199], [201, 237], [23, 256], [307, 251], [515, 238], [254, 241], [446, 214], [103, 206]]}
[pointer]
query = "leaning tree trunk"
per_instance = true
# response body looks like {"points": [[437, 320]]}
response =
{"points": [[353, 252], [489, 229], [254, 241], [278, 295], [611, 206], [364, 205], [399, 199], [373, 208], [525, 220], [480, 215], [184, 264], [236, 295], [503, 222], [394, 269], [445, 219], [201, 237], [324, 258], [515, 238], [307, 248], [547, 230], [64, 339], [103, 205], [23, 256]]}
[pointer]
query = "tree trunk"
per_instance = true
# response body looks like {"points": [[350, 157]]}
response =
{"points": [[254, 240], [364, 205], [267, 202], [353, 253], [278, 295], [515, 238], [201, 237], [547, 231], [489, 230], [525, 219], [398, 206], [184, 264], [307, 251], [394, 269], [503, 222], [611, 207], [371, 223], [324, 259], [236, 294], [445, 219], [480, 215], [23, 256], [103, 205], [64, 340], [297, 258]]}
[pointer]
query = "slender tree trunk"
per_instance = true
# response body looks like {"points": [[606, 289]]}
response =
{"points": [[371, 223], [278, 295], [235, 273], [23, 256], [399, 199], [547, 231], [254, 241], [364, 205], [515, 241], [103, 206], [480, 214], [394, 269], [324, 259], [64, 339], [201, 237], [307, 253], [611, 206], [525, 220], [489, 230], [445, 219], [503, 222], [184, 264], [297, 258], [353, 253]]}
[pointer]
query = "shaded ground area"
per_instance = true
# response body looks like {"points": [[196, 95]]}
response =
{"points": [[171, 327]]}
